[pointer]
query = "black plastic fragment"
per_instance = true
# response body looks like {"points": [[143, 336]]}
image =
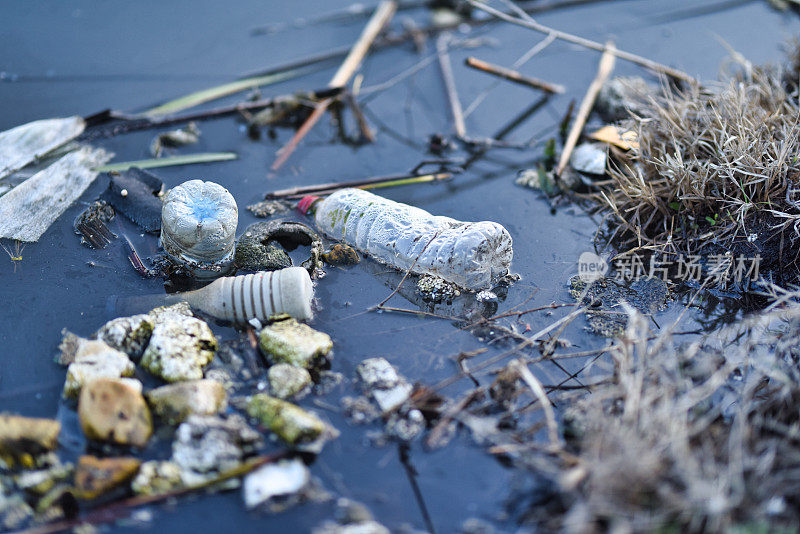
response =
{"points": [[134, 193]]}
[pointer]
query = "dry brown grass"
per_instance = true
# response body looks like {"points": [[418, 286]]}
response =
{"points": [[715, 166], [700, 438]]}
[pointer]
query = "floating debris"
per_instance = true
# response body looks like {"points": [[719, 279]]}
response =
{"points": [[287, 381], [128, 334], [25, 144], [259, 247], [114, 410], [434, 289], [187, 135], [268, 208], [198, 227], [295, 343], [340, 255], [589, 158], [288, 421], [471, 255], [179, 348], [28, 210], [261, 296], [351, 518], [173, 403], [186, 159], [207, 445], [97, 476], [89, 360], [281, 478], [539, 179], [390, 391], [157, 478], [91, 225], [23, 438], [617, 136], [136, 194]]}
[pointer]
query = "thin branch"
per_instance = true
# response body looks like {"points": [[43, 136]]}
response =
{"points": [[450, 86], [537, 389], [587, 43], [512, 75], [349, 66], [603, 72]]}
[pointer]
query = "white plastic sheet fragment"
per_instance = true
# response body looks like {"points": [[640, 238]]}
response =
{"points": [[28, 142], [29, 209]]}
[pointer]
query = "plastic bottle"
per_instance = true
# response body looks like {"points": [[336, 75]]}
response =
{"points": [[472, 255], [198, 227], [236, 298]]}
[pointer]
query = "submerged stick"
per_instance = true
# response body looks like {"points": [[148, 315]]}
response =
{"points": [[379, 19], [188, 159], [586, 43], [537, 389], [603, 72], [368, 183], [513, 76], [450, 86]]}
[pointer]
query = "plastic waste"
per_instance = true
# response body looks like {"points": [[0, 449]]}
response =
{"points": [[254, 296], [473, 255], [237, 299], [198, 227]]}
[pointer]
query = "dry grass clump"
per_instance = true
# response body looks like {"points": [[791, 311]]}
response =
{"points": [[703, 438], [714, 167]]}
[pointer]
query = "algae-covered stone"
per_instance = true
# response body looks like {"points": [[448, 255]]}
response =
{"points": [[163, 313], [115, 410], [90, 360], [175, 402], [40, 481], [286, 380], [157, 477], [207, 445], [295, 343], [288, 421], [20, 436], [97, 476], [128, 334], [180, 347]]}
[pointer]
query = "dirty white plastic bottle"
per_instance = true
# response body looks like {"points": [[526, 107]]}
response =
{"points": [[198, 227], [471, 254], [254, 296], [236, 298]]}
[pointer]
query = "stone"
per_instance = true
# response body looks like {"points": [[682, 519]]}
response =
{"points": [[114, 410], [157, 478], [288, 421], [284, 477], [384, 384], [40, 481], [286, 380], [589, 158], [128, 334], [91, 359], [298, 344], [21, 436], [206, 446], [173, 403], [97, 476], [340, 254], [180, 347], [163, 313]]}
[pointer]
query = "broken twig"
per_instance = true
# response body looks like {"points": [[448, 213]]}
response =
{"points": [[187, 159], [450, 86], [603, 72], [369, 183], [513, 76], [530, 23], [379, 19]]}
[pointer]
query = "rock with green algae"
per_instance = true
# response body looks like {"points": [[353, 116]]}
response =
{"points": [[97, 476], [89, 360], [286, 380], [295, 343], [288, 421], [114, 410], [26, 436], [157, 477], [173, 403], [41, 481], [128, 334], [180, 346]]}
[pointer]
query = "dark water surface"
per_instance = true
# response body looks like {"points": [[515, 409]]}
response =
{"points": [[66, 58]]}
